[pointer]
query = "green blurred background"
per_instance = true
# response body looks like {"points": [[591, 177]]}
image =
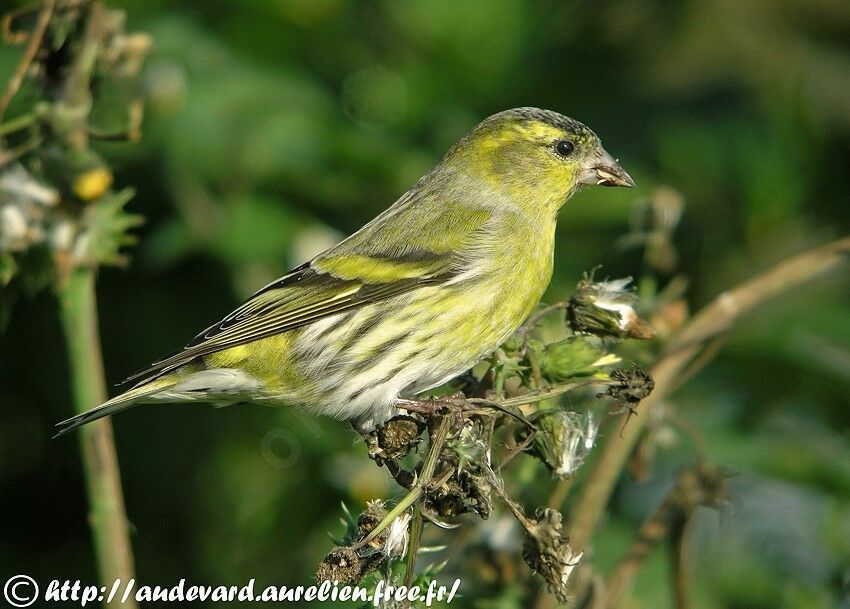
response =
{"points": [[273, 128]]}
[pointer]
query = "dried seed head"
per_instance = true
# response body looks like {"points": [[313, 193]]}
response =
{"points": [[342, 565], [630, 387], [394, 439], [369, 519], [606, 308], [462, 493], [547, 551]]}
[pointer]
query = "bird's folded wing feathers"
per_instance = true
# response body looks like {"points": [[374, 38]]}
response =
{"points": [[302, 297], [360, 271]]}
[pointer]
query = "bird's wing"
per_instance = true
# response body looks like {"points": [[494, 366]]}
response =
{"points": [[341, 279]]}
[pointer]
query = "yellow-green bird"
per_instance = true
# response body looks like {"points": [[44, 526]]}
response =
{"points": [[417, 296]]}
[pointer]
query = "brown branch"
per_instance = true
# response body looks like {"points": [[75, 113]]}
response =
{"points": [[559, 492], [679, 564], [712, 347], [702, 486], [513, 506], [29, 54], [516, 450], [716, 318]]}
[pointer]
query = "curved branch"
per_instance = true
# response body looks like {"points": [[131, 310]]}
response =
{"points": [[714, 319]]}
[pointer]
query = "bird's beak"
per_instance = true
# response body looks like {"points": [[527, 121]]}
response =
{"points": [[604, 170]]}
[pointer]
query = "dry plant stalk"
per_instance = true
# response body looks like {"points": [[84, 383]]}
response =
{"points": [[700, 486]]}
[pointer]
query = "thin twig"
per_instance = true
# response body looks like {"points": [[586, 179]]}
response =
{"points": [[689, 429], [19, 122], [519, 448], [532, 321], [512, 505], [29, 54], [10, 36], [706, 354], [478, 406], [436, 449], [403, 477], [560, 492], [7, 156], [534, 362], [533, 397], [713, 320]]}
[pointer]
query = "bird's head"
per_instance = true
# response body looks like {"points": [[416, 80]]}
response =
{"points": [[536, 157]]}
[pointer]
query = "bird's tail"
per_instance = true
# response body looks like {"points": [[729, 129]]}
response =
{"points": [[126, 400]]}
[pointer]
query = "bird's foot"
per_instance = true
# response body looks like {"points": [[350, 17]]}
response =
{"points": [[431, 406]]}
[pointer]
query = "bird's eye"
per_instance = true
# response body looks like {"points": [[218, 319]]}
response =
{"points": [[564, 147]]}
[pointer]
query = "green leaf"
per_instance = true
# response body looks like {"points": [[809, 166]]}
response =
{"points": [[104, 229], [8, 268]]}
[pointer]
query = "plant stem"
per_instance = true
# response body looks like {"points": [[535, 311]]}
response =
{"points": [[417, 491], [413, 549], [18, 123], [540, 395], [107, 516], [425, 479]]}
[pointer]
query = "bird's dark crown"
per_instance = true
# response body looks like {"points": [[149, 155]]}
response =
{"points": [[548, 117]]}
